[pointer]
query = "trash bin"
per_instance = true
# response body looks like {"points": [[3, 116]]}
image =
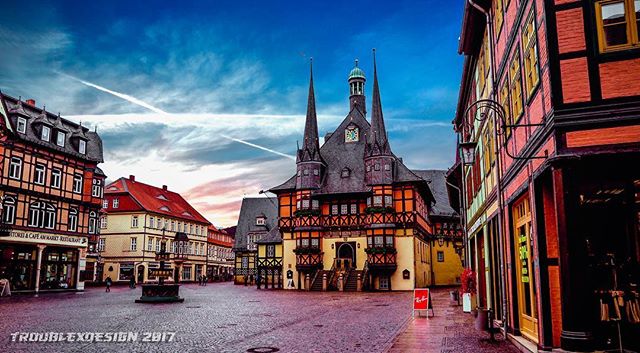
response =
{"points": [[482, 319]]}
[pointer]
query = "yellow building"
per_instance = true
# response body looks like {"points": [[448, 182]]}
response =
{"points": [[139, 217], [355, 217]]}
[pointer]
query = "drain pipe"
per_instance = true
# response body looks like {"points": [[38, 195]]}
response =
{"points": [[503, 276]]}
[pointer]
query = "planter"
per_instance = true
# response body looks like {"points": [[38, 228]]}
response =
{"points": [[482, 319], [455, 296]]}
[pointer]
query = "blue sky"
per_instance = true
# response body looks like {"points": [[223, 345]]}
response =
{"points": [[235, 69]]}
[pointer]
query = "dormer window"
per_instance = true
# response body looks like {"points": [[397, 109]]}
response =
{"points": [[346, 172], [60, 138], [162, 197], [46, 133], [82, 146], [260, 221], [22, 125]]}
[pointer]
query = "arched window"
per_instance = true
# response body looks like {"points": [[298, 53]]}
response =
{"points": [[72, 224], [93, 219], [42, 215], [9, 210]]}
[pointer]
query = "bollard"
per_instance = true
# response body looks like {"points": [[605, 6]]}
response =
{"points": [[340, 284], [359, 283], [324, 281], [307, 282]]}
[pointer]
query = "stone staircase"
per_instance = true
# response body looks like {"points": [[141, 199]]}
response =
{"points": [[351, 284], [317, 283]]}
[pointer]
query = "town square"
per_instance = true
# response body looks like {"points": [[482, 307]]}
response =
{"points": [[285, 176]]}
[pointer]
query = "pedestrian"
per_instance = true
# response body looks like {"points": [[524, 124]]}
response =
{"points": [[204, 280], [199, 280], [132, 282], [290, 279], [108, 284]]}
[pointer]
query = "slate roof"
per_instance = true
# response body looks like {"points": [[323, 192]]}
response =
{"points": [[437, 183], [339, 155], [36, 117], [154, 199], [273, 237], [252, 208]]}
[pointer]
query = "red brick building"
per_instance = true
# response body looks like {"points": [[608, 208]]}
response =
{"points": [[552, 200]]}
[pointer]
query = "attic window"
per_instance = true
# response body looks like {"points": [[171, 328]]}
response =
{"points": [[346, 172], [46, 133], [162, 197], [260, 221], [113, 188], [185, 213], [165, 208], [82, 146], [22, 125]]}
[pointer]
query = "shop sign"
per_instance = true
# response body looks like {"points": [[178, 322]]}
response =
{"points": [[161, 272], [46, 238], [422, 301]]}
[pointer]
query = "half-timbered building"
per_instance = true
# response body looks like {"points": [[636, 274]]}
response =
{"points": [[354, 216], [258, 216], [51, 190], [269, 260], [551, 199]]}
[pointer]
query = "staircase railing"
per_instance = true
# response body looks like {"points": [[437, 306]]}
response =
{"points": [[332, 276], [313, 281]]}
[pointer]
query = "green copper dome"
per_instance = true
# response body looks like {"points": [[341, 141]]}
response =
{"points": [[356, 72]]}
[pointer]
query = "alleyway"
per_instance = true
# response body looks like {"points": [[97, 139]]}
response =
{"points": [[449, 331]]}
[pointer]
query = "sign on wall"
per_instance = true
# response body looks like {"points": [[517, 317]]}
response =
{"points": [[422, 301], [46, 238]]}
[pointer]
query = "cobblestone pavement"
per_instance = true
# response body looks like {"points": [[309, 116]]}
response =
{"points": [[220, 317], [448, 331]]}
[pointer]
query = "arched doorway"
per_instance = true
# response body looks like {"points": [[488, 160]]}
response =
{"points": [[140, 274], [346, 254]]}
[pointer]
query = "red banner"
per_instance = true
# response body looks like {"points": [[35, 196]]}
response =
{"points": [[421, 299]]}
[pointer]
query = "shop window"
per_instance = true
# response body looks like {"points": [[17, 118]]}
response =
{"points": [[618, 24], [77, 183], [516, 86], [126, 271], [15, 168], [72, 223], [39, 175], [56, 178], [9, 210], [440, 256], [530, 47], [58, 270], [186, 273]]}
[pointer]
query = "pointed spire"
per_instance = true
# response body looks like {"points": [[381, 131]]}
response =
{"points": [[310, 145], [378, 138]]}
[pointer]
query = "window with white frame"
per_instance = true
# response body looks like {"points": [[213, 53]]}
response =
{"points": [[105, 203], [15, 168], [22, 125], [260, 221], [334, 209], [96, 189], [101, 244], [151, 222], [344, 208], [384, 282], [72, 223], [271, 250], [103, 222], [9, 210], [93, 222], [46, 133], [39, 174], [82, 146], [354, 208], [115, 203], [173, 226], [150, 244], [56, 178], [133, 245], [42, 215], [134, 221], [77, 183], [157, 244], [60, 138]]}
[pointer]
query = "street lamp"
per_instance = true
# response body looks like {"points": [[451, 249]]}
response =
{"points": [[468, 152]]}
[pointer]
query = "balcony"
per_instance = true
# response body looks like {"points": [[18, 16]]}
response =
{"points": [[382, 259], [353, 221], [308, 258]]}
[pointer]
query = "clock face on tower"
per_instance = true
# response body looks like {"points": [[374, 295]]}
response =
{"points": [[351, 134]]}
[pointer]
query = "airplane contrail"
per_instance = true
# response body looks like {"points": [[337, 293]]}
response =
{"points": [[144, 104]]}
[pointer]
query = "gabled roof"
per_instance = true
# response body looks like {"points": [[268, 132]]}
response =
{"points": [[251, 209], [438, 185], [36, 117], [147, 196]]}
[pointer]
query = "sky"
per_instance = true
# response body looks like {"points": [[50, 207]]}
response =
{"points": [[209, 97]]}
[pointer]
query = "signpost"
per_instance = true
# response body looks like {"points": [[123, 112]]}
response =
{"points": [[422, 301]]}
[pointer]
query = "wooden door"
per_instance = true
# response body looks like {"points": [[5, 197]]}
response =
{"points": [[525, 277]]}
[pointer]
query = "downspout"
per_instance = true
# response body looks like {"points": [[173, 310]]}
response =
{"points": [[498, 165]]}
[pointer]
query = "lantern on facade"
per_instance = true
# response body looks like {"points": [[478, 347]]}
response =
{"points": [[468, 152]]}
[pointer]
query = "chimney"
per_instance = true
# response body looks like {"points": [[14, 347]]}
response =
{"points": [[132, 177], [164, 187], [31, 102]]}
